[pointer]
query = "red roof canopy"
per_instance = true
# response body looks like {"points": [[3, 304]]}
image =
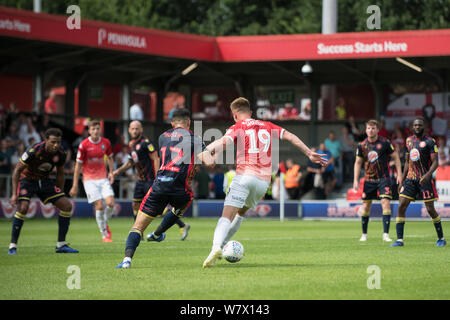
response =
{"points": [[102, 35]]}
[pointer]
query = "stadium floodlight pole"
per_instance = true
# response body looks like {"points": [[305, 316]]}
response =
{"points": [[37, 5], [409, 64], [281, 196]]}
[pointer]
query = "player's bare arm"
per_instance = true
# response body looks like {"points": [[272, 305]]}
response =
{"points": [[155, 160], [127, 165], [15, 181], [357, 172], [434, 165], [76, 175], [206, 158], [398, 167], [219, 145], [111, 169], [313, 156], [60, 177]]}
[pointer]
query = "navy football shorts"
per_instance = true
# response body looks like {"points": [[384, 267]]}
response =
{"points": [[413, 190], [45, 189], [374, 190]]}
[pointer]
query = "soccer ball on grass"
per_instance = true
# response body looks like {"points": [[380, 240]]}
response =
{"points": [[233, 251]]}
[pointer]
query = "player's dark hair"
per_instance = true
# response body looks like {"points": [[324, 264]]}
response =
{"points": [[420, 118], [53, 132], [93, 123], [181, 114]]}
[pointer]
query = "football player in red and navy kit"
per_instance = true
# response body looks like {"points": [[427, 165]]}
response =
{"points": [[31, 177], [421, 161], [180, 152], [144, 156], [375, 153]]}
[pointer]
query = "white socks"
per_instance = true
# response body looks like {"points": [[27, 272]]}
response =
{"points": [[108, 213], [234, 227], [101, 222], [222, 228]]}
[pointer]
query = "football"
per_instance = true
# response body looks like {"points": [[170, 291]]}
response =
{"points": [[233, 251]]}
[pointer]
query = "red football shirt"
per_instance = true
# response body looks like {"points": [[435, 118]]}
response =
{"points": [[254, 139], [92, 157]]}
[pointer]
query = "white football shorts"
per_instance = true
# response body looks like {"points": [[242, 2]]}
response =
{"points": [[246, 191], [97, 189]]}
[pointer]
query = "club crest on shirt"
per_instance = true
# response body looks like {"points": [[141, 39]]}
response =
{"points": [[414, 155], [134, 156], [103, 147], [55, 159], [422, 144], [138, 146], [372, 156], [379, 146], [23, 191]]}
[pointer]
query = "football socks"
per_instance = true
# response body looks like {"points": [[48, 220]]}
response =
{"points": [[133, 240], [63, 225], [386, 220]]}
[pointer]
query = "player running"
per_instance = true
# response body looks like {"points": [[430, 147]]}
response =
{"points": [[180, 151], [144, 157], [375, 152], [96, 182], [253, 169], [421, 162], [31, 177]]}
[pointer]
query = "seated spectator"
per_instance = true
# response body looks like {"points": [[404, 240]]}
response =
{"points": [[12, 138], [292, 179], [348, 154], [17, 153], [5, 166], [328, 172], [218, 183], [30, 135]]}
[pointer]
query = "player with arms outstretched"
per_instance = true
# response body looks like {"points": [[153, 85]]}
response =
{"points": [[253, 169], [144, 156], [180, 151], [31, 177], [375, 153], [421, 162], [97, 183]]}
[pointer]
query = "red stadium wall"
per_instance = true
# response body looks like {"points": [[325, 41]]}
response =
{"points": [[18, 89], [108, 106]]}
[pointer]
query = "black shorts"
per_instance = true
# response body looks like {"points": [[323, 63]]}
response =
{"points": [[45, 189], [374, 190], [156, 201], [140, 190], [413, 190]]}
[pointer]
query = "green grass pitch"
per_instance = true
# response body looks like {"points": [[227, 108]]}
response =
{"points": [[290, 260]]}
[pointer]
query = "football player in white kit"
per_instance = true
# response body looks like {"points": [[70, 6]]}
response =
{"points": [[253, 169]]}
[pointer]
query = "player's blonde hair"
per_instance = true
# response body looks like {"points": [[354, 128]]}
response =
{"points": [[240, 105], [373, 122]]}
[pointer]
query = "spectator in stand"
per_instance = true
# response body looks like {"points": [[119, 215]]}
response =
{"points": [[229, 175], [43, 125], [176, 106], [443, 152], [18, 151], [5, 166], [289, 112], [353, 128], [201, 183], [348, 154], [334, 146], [120, 143], [11, 115], [78, 140], [328, 172], [136, 112], [341, 112], [313, 179], [30, 136], [292, 179], [12, 137], [50, 104], [218, 183], [383, 132]]}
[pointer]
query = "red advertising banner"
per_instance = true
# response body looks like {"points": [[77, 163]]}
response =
{"points": [[379, 44]]}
